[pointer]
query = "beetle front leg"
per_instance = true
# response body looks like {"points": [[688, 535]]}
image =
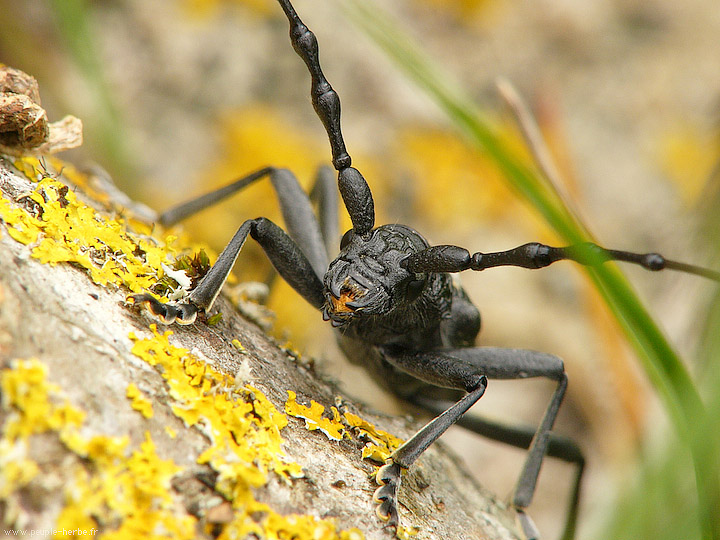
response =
{"points": [[458, 368], [559, 447], [438, 370], [283, 252], [388, 476]]}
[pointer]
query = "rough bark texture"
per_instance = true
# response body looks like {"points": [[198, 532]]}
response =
{"points": [[80, 331]]}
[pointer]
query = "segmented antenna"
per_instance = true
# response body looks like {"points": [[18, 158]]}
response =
{"points": [[353, 187]]}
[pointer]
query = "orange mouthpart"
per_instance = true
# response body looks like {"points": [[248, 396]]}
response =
{"points": [[339, 305]]}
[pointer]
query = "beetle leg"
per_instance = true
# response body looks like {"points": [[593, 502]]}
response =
{"points": [[295, 205], [559, 447], [283, 252], [457, 368], [388, 476]]}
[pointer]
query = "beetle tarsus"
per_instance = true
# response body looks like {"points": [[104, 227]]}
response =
{"points": [[183, 313], [388, 477]]}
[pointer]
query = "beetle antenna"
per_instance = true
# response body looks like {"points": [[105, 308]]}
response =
{"points": [[534, 255], [353, 187]]}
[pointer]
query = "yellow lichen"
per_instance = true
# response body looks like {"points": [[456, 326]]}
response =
{"points": [[198, 9], [406, 533], [242, 424], [134, 490], [314, 419], [35, 169], [245, 442], [688, 154], [439, 162], [26, 397], [128, 495], [125, 493], [60, 228], [138, 401], [16, 471], [380, 443]]}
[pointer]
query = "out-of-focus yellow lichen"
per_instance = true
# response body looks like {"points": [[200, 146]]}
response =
{"points": [[405, 533], [441, 165], [473, 14], [132, 489], [688, 156], [138, 401], [26, 397], [208, 8]]}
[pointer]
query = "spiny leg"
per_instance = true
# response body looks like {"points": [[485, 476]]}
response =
{"points": [[455, 369], [353, 187], [448, 258], [284, 254]]}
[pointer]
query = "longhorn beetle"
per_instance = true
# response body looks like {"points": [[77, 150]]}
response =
{"points": [[394, 304]]}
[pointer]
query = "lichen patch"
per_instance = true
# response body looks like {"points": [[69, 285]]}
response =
{"points": [[314, 419], [60, 228], [112, 493], [245, 442]]}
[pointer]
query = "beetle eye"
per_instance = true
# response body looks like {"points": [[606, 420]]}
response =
{"points": [[346, 239], [414, 289]]}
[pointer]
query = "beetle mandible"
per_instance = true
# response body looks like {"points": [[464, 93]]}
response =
{"points": [[392, 299]]}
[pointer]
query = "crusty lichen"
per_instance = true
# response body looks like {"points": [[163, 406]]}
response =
{"points": [[379, 444], [314, 419], [120, 493], [126, 493], [60, 228], [243, 428]]}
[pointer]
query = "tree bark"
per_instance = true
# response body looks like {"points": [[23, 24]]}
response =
{"points": [[81, 332]]}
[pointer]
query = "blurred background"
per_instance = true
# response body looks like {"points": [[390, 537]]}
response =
{"points": [[180, 96]]}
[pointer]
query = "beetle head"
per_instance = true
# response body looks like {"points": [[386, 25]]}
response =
{"points": [[366, 278]]}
